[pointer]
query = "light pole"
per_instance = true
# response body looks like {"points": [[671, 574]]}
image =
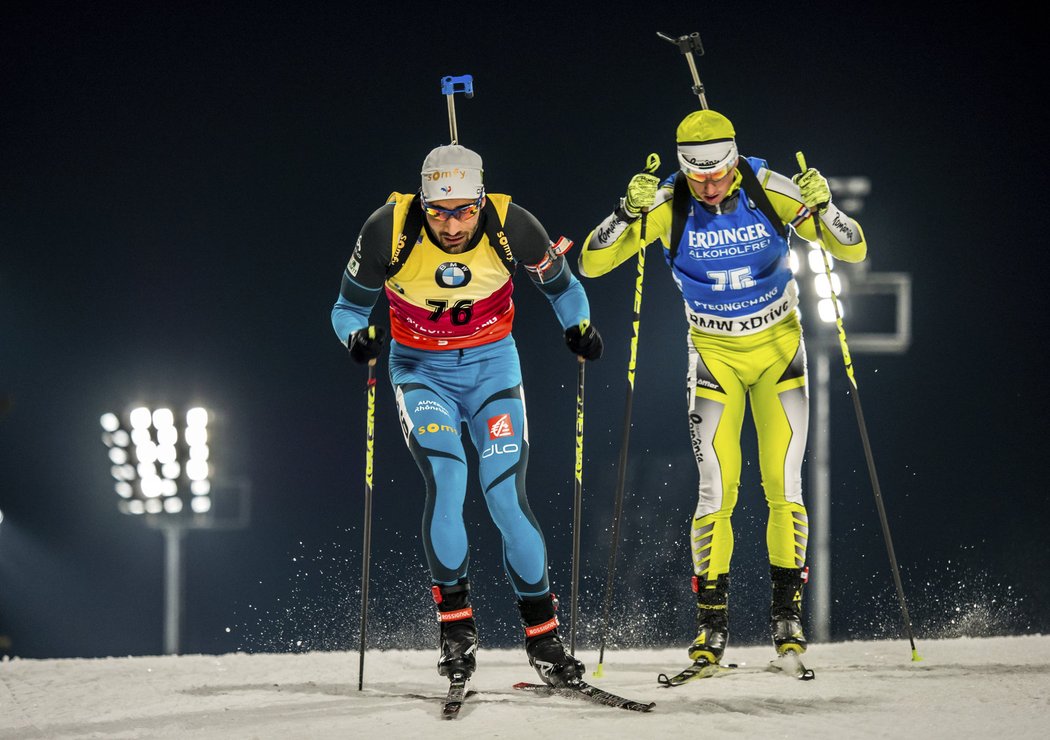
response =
{"points": [[855, 281], [163, 473]]}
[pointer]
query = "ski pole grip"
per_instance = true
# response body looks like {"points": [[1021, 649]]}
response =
{"points": [[652, 164], [801, 161]]}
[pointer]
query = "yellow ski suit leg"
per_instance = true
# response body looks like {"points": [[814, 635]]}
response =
{"points": [[770, 366]]}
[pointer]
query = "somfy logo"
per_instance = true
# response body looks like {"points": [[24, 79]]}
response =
{"points": [[434, 428], [440, 174]]}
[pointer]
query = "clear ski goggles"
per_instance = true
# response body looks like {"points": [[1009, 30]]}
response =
{"points": [[463, 213]]}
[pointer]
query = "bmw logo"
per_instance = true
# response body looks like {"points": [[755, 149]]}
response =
{"points": [[452, 275]]}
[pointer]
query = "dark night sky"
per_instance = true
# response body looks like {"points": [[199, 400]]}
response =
{"points": [[180, 192]]}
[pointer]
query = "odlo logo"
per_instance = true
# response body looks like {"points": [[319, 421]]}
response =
{"points": [[500, 426], [495, 449]]}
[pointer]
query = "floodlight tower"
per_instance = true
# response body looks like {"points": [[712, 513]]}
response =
{"points": [[854, 281], [166, 477]]}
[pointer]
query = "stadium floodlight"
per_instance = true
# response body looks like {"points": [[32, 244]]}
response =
{"points": [[158, 467], [161, 468]]}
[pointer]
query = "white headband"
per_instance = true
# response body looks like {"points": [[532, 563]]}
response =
{"points": [[708, 156]]}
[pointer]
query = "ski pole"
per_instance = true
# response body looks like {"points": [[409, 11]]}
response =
{"points": [[863, 429], [366, 548], [652, 164], [449, 87], [577, 508], [689, 45]]}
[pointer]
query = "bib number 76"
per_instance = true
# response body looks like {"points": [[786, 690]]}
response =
{"points": [[459, 313]]}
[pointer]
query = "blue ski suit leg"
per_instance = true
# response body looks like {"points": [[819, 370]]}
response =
{"points": [[437, 393]]}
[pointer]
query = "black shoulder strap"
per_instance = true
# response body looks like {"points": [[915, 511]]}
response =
{"points": [[751, 189], [679, 212], [414, 225], [757, 194], [409, 236]]}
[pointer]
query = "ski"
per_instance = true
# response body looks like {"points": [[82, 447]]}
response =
{"points": [[790, 664], [701, 668], [584, 691], [457, 693]]}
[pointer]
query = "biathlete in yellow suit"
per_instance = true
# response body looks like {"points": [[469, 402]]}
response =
{"points": [[745, 339], [446, 257]]}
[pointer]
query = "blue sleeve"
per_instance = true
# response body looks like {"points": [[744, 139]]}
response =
{"points": [[570, 304], [364, 274], [353, 308]]}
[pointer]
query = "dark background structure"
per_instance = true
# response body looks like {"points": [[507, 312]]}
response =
{"points": [[180, 190]]}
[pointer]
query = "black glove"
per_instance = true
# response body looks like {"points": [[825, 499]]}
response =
{"points": [[587, 343], [364, 348]]}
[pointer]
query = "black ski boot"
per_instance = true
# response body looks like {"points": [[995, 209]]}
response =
{"points": [[712, 619], [785, 615], [459, 633], [546, 652]]}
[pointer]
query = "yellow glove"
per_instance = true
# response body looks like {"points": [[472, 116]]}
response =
{"points": [[641, 193], [813, 187]]}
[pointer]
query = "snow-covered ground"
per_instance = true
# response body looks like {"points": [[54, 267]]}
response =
{"points": [[994, 687]]}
